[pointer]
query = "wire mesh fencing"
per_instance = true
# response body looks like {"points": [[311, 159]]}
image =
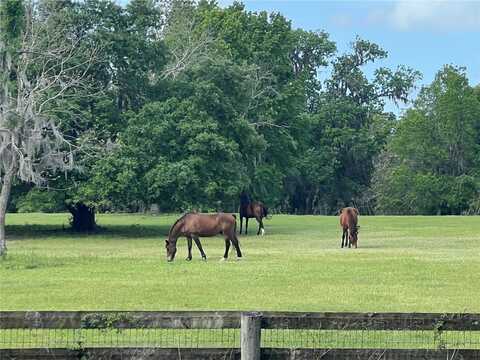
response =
{"points": [[80, 338], [369, 339], [230, 338]]}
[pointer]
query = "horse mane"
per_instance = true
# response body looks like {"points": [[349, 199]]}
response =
{"points": [[176, 222]]}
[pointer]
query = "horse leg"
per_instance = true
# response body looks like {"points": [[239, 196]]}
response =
{"points": [[199, 245], [348, 238], [246, 225], [227, 248], [261, 229], [189, 242], [236, 245], [241, 224], [343, 238]]}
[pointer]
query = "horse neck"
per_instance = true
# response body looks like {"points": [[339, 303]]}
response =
{"points": [[244, 200], [174, 233]]}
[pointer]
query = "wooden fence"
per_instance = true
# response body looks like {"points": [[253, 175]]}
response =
{"points": [[251, 327]]}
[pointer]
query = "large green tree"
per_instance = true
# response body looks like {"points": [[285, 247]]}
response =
{"points": [[131, 54], [432, 165], [282, 85], [231, 96], [347, 129]]}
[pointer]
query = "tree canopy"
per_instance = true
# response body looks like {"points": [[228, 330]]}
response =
{"points": [[431, 165]]}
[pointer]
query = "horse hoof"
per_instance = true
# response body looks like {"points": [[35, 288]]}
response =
{"points": [[204, 258], [239, 258], [188, 259], [223, 259], [262, 232]]}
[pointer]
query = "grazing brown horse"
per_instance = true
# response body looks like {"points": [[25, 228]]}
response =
{"points": [[249, 209], [193, 225], [348, 221]]}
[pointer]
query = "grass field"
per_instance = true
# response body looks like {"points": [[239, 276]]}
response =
{"points": [[424, 264]]}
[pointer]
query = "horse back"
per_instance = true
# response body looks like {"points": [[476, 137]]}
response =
{"points": [[208, 224], [348, 217], [254, 209], [248, 210]]}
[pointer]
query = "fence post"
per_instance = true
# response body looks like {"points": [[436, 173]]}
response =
{"points": [[250, 336]]}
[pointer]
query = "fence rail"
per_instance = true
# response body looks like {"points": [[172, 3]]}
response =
{"points": [[231, 319], [234, 354], [223, 335], [119, 320]]}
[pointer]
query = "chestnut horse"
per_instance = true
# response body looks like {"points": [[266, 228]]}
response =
{"points": [[249, 209], [193, 225], [348, 221]]}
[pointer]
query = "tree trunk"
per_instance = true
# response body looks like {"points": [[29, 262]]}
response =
{"points": [[4, 197], [83, 217]]}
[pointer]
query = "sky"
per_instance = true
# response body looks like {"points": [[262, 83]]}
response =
{"points": [[422, 34]]}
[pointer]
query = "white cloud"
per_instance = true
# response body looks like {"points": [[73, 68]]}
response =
{"points": [[432, 15]]}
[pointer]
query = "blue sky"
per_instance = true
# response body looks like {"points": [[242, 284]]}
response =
{"points": [[422, 34]]}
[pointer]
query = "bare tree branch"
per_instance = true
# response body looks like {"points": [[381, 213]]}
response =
{"points": [[49, 66], [190, 47]]}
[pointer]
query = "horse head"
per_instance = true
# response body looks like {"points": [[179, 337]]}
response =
{"points": [[171, 247], [353, 235]]}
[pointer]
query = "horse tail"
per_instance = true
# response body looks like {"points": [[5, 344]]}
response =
{"points": [[235, 224], [265, 213], [235, 228]]}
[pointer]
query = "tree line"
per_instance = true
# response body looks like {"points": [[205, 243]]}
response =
{"points": [[182, 105]]}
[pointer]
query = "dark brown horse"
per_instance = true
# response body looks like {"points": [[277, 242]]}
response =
{"points": [[249, 209], [348, 222], [193, 225]]}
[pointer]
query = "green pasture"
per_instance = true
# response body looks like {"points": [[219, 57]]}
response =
{"points": [[405, 264]]}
